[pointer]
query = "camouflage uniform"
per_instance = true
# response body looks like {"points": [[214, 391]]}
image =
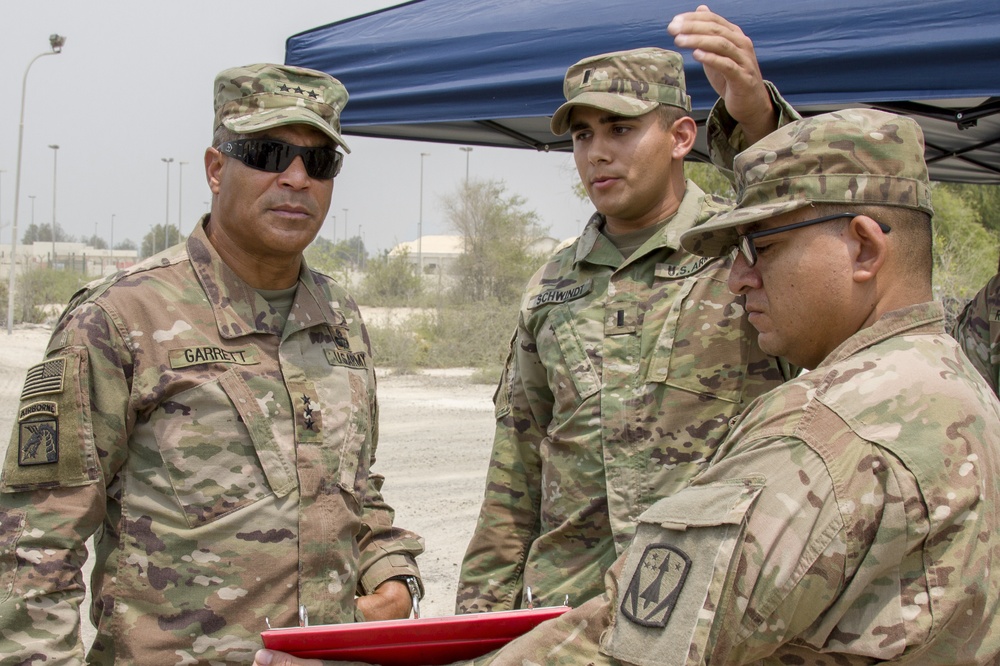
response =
{"points": [[978, 332], [850, 517], [219, 452], [622, 378]]}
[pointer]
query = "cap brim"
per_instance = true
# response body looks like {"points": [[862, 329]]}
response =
{"points": [[259, 121], [613, 102], [717, 237]]}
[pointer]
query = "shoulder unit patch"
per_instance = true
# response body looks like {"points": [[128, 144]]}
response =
{"points": [[652, 593]]}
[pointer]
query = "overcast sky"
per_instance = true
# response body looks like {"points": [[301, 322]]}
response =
{"points": [[133, 85]]}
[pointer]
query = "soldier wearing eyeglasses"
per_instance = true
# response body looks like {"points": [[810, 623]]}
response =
{"points": [[210, 417], [851, 515]]}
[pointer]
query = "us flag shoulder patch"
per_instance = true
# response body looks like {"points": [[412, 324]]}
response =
{"points": [[657, 582], [44, 378]]}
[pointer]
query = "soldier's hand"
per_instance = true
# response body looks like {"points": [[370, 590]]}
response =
{"points": [[731, 67], [275, 658], [389, 601]]}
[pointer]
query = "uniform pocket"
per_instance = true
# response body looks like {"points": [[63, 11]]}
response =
{"points": [[704, 344], [11, 525], [572, 377], [219, 450], [675, 572]]}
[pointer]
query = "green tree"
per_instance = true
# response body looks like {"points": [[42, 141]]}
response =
{"points": [[965, 253], [498, 234], [127, 244], [326, 257], [42, 233], [984, 200], [96, 242], [390, 280], [155, 241]]}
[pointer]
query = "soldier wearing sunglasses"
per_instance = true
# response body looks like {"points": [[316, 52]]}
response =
{"points": [[210, 417]]}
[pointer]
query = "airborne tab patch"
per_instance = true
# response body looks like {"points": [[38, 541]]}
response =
{"points": [[652, 593], [561, 295], [38, 434], [44, 378]]}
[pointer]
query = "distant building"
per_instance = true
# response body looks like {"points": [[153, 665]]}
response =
{"points": [[439, 253], [73, 256]]}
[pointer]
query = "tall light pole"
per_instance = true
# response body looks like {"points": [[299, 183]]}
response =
{"points": [[466, 150], [56, 43], [420, 220], [345, 224], [334, 225], [55, 154], [166, 223], [32, 197], [180, 200]]}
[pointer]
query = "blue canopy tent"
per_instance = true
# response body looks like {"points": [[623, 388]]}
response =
{"points": [[490, 72]]}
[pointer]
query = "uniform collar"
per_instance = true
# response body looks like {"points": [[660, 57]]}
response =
{"points": [[594, 247], [239, 309], [922, 318]]}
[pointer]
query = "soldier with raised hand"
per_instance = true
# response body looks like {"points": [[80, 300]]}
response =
{"points": [[630, 356], [210, 417], [851, 515]]}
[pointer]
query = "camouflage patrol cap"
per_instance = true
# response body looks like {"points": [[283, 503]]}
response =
{"points": [[627, 83], [254, 98], [853, 156]]}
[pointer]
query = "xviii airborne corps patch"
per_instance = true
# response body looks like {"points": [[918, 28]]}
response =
{"points": [[38, 422], [652, 593]]}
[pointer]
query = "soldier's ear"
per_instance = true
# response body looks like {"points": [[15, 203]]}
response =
{"points": [[213, 169], [868, 246], [685, 130]]}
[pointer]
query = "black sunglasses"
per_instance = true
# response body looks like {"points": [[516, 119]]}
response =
{"points": [[744, 242], [322, 162]]}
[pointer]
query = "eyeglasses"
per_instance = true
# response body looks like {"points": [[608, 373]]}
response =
{"points": [[744, 242], [322, 162]]}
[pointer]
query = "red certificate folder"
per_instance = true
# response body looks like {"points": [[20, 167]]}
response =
{"points": [[428, 641]]}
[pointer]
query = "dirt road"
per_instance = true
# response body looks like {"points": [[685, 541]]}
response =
{"points": [[436, 432]]}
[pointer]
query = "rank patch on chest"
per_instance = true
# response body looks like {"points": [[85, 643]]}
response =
{"points": [[652, 593], [44, 378], [38, 434]]}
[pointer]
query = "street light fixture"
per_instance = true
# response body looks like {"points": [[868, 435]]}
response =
{"points": [[55, 155], [56, 43], [466, 150], [166, 223], [420, 220]]}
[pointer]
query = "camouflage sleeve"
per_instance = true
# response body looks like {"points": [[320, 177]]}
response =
{"points": [[493, 567], [738, 563], [977, 330], [387, 551], [67, 441], [726, 138]]}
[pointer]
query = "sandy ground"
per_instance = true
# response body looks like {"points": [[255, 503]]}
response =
{"points": [[436, 433]]}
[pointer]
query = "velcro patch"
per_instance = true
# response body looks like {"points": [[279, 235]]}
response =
{"points": [[38, 434], [561, 295], [657, 582], [183, 358], [347, 358], [675, 272], [44, 378]]}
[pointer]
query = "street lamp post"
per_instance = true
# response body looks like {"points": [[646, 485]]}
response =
{"points": [[55, 154], [420, 219], [166, 223], [466, 150], [180, 200], [56, 43], [345, 224]]}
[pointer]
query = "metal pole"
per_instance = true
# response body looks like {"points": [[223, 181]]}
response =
{"points": [[56, 42], [55, 155], [420, 220], [166, 223], [466, 150], [345, 224], [180, 199], [112, 245]]}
